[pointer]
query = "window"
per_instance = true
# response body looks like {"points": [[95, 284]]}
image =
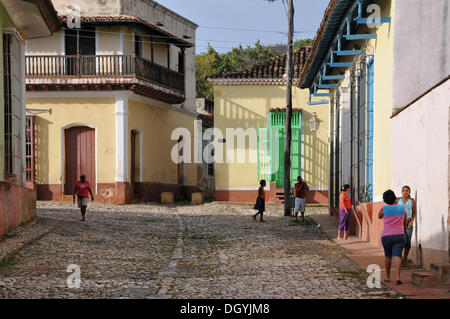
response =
{"points": [[12, 86], [138, 45], [29, 149], [80, 43], [181, 62]]}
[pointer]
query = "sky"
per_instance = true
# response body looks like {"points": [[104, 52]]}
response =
{"points": [[226, 23]]}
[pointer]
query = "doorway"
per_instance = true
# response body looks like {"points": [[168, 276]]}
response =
{"points": [[79, 157], [80, 51], [135, 157]]}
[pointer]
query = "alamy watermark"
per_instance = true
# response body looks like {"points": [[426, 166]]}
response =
{"points": [[74, 279], [73, 16], [238, 142], [374, 279]]}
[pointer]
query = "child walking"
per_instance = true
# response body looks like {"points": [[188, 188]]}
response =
{"points": [[260, 205]]}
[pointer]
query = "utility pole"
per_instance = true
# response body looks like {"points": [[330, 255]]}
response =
{"points": [[288, 135]]}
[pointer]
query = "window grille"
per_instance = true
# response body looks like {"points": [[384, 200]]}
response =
{"points": [[12, 86], [29, 149]]}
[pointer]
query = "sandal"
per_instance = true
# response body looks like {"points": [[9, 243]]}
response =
{"points": [[398, 282]]}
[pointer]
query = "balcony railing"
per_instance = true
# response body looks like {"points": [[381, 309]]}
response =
{"points": [[90, 66]]}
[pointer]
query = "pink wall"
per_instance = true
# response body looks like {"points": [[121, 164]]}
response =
{"points": [[17, 205]]}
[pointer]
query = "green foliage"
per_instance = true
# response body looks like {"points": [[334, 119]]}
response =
{"points": [[300, 43], [211, 62]]}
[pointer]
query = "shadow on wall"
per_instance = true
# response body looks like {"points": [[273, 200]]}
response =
{"points": [[244, 118], [316, 159], [42, 151], [238, 116]]}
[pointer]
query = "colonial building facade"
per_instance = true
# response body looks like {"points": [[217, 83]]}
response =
{"points": [[254, 99], [106, 93], [376, 57], [19, 20]]}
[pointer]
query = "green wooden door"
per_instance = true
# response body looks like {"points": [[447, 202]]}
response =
{"points": [[276, 147]]}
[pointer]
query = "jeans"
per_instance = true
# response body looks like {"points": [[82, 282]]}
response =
{"points": [[408, 236]]}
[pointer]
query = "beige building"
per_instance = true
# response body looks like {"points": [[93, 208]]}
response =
{"points": [[254, 100], [106, 94]]}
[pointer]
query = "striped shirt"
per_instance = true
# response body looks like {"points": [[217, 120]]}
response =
{"points": [[393, 220]]}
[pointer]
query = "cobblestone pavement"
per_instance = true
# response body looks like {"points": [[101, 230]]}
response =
{"points": [[152, 251]]}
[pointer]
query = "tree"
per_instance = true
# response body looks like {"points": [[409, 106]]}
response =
{"points": [[211, 62], [300, 43]]}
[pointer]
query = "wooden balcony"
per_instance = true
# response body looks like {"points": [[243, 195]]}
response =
{"points": [[104, 72]]}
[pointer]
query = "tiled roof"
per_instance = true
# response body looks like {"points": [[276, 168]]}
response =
{"points": [[126, 18], [274, 68]]}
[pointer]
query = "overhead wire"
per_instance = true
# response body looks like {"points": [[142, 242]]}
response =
{"points": [[160, 42]]}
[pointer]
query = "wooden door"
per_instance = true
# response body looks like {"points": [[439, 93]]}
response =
{"points": [[80, 157]]}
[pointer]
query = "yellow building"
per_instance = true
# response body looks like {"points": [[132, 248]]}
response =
{"points": [[19, 20], [254, 100], [352, 57], [385, 63], [106, 95]]}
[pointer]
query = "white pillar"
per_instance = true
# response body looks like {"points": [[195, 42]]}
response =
{"points": [[121, 139]]}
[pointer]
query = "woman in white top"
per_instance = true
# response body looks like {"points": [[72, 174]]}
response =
{"points": [[410, 206]]}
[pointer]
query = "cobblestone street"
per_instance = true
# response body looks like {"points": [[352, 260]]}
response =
{"points": [[154, 251]]}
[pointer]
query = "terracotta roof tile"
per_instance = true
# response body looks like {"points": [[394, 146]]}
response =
{"points": [[126, 18], [271, 69]]}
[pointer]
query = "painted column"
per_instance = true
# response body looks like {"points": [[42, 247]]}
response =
{"points": [[122, 184], [122, 139]]}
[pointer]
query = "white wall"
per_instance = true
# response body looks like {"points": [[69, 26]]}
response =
{"points": [[422, 40], [420, 159]]}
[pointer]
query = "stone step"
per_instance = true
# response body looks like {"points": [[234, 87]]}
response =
{"points": [[436, 269], [445, 274], [425, 279]]}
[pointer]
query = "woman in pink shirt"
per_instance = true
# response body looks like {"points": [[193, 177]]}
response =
{"points": [[393, 237]]}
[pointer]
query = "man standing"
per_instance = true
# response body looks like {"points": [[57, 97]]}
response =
{"points": [[300, 197], [82, 190]]}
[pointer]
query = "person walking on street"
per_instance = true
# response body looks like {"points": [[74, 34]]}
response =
{"points": [[300, 189], [82, 191], [345, 209], [260, 204], [409, 204], [393, 237]]}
